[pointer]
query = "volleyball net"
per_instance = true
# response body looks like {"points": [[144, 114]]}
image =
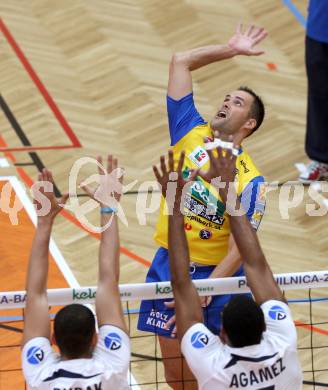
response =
{"points": [[306, 292]]}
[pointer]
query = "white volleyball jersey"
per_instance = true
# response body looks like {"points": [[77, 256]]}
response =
{"points": [[271, 365], [107, 369]]}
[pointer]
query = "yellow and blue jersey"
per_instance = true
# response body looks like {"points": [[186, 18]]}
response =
{"points": [[206, 222]]}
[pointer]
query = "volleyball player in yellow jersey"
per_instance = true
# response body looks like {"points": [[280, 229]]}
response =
{"points": [[213, 252]]}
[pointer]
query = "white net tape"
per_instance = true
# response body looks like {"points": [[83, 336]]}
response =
{"points": [[163, 290]]}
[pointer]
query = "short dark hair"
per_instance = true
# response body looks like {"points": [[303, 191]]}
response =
{"points": [[257, 110], [243, 321], [74, 328]]}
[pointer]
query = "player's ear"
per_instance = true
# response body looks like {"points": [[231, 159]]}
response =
{"points": [[53, 339], [249, 126], [223, 336], [94, 340]]}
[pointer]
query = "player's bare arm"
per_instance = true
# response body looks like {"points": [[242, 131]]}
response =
{"points": [[258, 273], [187, 303], [36, 320], [230, 263], [108, 303], [182, 64]]}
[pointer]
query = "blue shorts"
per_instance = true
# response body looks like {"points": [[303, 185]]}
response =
{"points": [[154, 314]]}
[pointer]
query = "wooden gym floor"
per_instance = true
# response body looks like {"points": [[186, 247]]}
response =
{"points": [[82, 78]]}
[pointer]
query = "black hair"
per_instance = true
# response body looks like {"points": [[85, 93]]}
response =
{"points": [[243, 321], [257, 110], [74, 327]]}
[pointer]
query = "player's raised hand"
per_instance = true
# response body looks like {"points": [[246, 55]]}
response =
{"points": [[244, 42], [46, 204], [110, 188], [222, 168], [170, 173]]}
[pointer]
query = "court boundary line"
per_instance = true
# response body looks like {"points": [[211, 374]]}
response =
{"points": [[36, 160], [29, 182], [295, 11], [53, 248], [44, 92]]}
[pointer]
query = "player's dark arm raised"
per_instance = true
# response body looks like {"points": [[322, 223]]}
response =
{"points": [[258, 273], [187, 303]]}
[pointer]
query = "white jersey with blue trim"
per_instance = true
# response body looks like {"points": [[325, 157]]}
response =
{"points": [[107, 369], [271, 365]]}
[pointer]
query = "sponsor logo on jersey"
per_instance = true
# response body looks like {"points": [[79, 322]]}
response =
{"points": [[113, 341], [196, 207], [35, 355], [201, 202], [199, 340], [205, 234], [243, 164], [199, 156], [277, 313], [157, 319]]}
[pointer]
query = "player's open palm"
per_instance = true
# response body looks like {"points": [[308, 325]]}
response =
{"points": [[222, 169], [110, 188], [245, 42], [46, 204], [168, 173]]}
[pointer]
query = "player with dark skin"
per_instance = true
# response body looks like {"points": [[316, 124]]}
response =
{"points": [[258, 273]]}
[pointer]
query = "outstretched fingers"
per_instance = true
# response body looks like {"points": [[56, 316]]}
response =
{"points": [[63, 200], [49, 176], [228, 154], [100, 165], [257, 31], [181, 161], [163, 165], [211, 157], [156, 173], [250, 30], [219, 152], [171, 161], [111, 163], [45, 174], [259, 36]]}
